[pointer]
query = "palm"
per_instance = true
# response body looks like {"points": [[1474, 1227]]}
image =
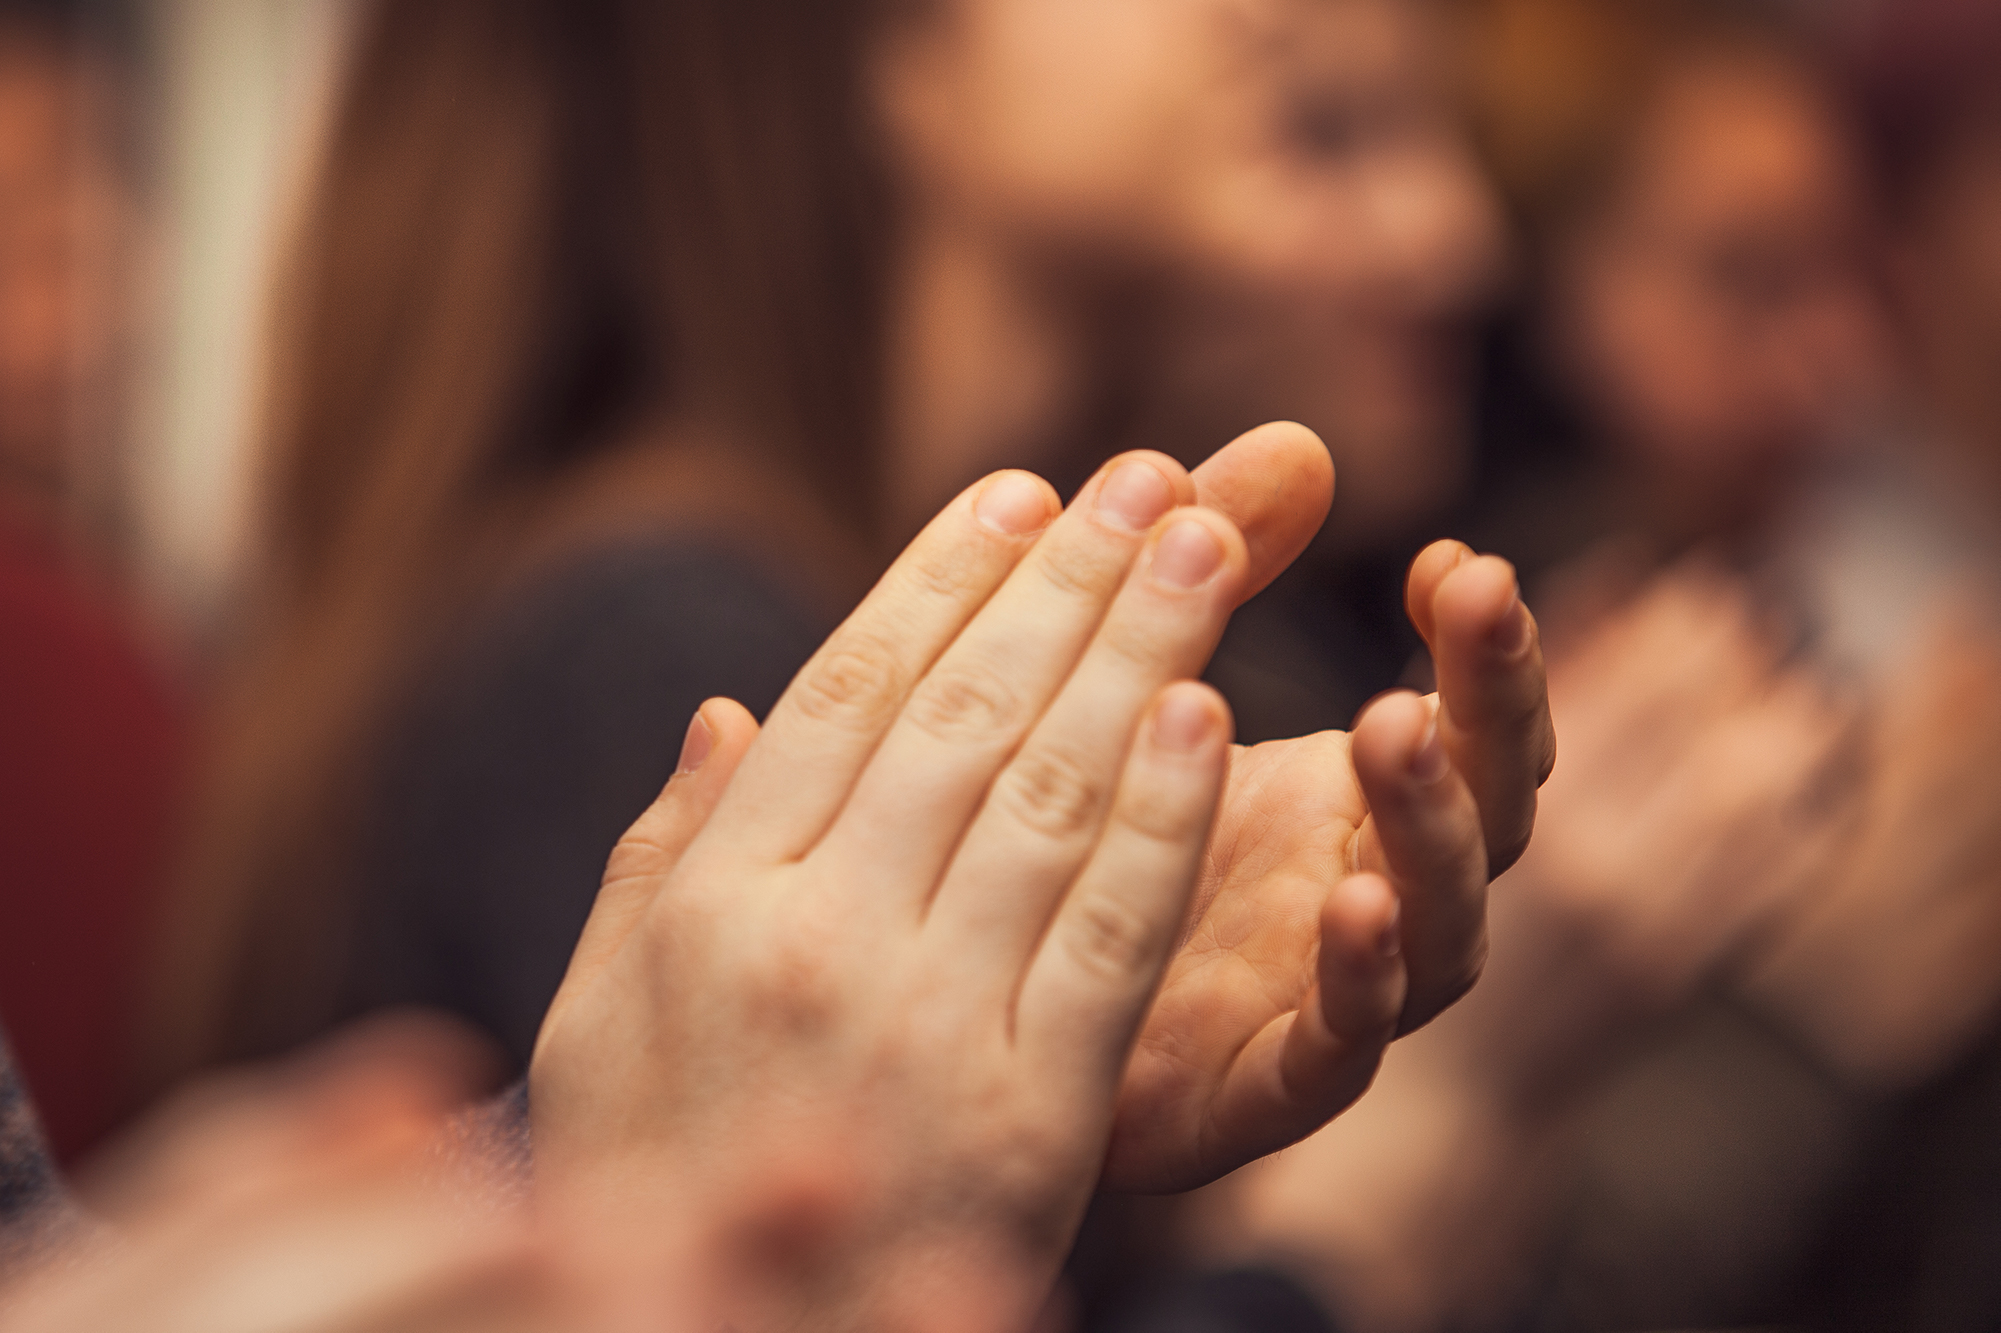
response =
{"points": [[1286, 831]]}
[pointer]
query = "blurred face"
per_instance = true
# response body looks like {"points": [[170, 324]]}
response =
{"points": [[1714, 314], [63, 231], [1289, 173]]}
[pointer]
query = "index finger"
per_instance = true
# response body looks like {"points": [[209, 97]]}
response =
{"points": [[1493, 691]]}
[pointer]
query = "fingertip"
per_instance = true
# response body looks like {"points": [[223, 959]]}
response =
{"points": [[720, 731], [1276, 482], [1363, 917], [1427, 572], [1296, 452], [1178, 478], [1390, 733], [695, 745], [1193, 547], [1190, 717], [1479, 601], [1361, 976], [1134, 489], [1014, 503]]}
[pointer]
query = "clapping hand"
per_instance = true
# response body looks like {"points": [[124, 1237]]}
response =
{"points": [[922, 912], [1342, 901]]}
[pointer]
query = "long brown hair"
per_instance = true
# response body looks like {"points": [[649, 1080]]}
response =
{"points": [[539, 226]]}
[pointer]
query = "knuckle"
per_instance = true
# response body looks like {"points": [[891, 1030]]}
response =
{"points": [[945, 573], [634, 856], [1052, 793], [1070, 574], [855, 683], [1140, 643], [1158, 815], [960, 703], [792, 986], [1109, 940]]}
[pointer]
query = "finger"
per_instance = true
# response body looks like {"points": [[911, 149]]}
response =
{"points": [[719, 735], [1275, 483], [1423, 833], [1084, 995], [1358, 996], [1044, 811], [1421, 585], [833, 715], [988, 690], [1306, 1067], [1494, 717]]}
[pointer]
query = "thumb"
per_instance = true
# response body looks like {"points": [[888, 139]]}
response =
{"points": [[719, 735]]}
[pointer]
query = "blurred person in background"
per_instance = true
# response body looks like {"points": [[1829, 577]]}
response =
{"points": [[92, 722], [1353, 260], [71, 257], [1725, 1062]]}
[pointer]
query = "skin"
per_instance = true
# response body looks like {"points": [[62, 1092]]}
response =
{"points": [[68, 248], [1886, 970], [846, 1039], [1885, 973], [299, 1198], [1714, 312], [1693, 812], [1224, 209], [1704, 307], [934, 897], [328, 1192]]}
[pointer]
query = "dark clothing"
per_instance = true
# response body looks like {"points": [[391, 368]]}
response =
{"points": [[1305, 654], [1246, 1300], [539, 742], [35, 1213], [27, 1176]]}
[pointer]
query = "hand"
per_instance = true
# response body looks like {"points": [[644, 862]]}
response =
{"points": [[1697, 799], [922, 913], [1888, 969], [1697, 802], [1343, 900], [298, 1198]]}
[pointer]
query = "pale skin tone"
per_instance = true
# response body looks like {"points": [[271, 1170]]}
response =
{"points": [[942, 885], [328, 1192], [846, 1035]]}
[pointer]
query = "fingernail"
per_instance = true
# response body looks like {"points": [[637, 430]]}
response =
{"points": [[1511, 636], [1136, 495], [1187, 555], [696, 747], [1183, 721], [1430, 761], [1390, 943], [1014, 505]]}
